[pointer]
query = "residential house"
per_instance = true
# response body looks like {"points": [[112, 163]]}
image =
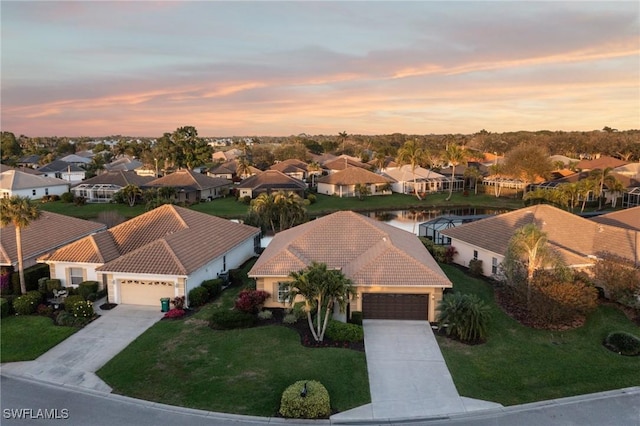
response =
{"points": [[229, 170], [193, 187], [101, 188], [77, 159], [343, 183], [393, 274], [488, 239], [31, 161], [230, 154], [39, 240], [165, 252], [343, 162], [124, 163], [405, 180], [601, 163], [292, 167], [627, 218], [62, 170], [268, 182], [15, 182]]}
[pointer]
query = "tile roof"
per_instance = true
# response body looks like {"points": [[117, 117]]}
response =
{"points": [[600, 163], [574, 237], [627, 218], [272, 179], [405, 174], [60, 166], [342, 163], [168, 240], [46, 234], [120, 178], [15, 180], [367, 251], [352, 176], [188, 179]]}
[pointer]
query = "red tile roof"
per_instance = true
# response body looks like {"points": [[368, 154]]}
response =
{"points": [[353, 176], [367, 251]]}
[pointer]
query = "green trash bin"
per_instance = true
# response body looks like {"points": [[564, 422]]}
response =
{"points": [[165, 304]]}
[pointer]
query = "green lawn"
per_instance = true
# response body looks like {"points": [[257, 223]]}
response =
{"points": [[186, 363], [231, 208], [519, 365], [26, 337]]}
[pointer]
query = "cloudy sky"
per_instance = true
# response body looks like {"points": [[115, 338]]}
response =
{"points": [[142, 68]]}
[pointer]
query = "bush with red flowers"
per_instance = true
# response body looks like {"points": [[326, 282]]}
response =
{"points": [[251, 301], [174, 313]]}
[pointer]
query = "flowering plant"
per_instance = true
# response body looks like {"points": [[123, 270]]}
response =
{"points": [[174, 313]]}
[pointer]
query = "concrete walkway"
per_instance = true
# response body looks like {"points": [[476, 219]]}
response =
{"points": [[408, 377], [74, 361]]}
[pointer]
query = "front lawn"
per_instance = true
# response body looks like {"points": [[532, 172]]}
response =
{"points": [[186, 363], [26, 337], [518, 364]]}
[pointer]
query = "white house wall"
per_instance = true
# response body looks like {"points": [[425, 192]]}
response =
{"points": [[39, 192], [465, 255], [59, 270]]}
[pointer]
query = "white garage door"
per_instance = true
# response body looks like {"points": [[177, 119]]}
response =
{"points": [[134, 292]]}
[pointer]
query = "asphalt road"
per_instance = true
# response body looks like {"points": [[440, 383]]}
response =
{"points": [[68, 406]]}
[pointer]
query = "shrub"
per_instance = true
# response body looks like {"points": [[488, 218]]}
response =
{"points": [[620, 277], [70, 301], [35, 295], [290, 319], [341, 331], [4, 307], [79, 201], [464, 316], [246, 199], [31, 277], [311, 198], [85, 288], [174, 313], [178, 302], [67, 197], [314, 405], [265, 315], [83, 309], [623, 343], [251, 301], [356, 317], [24, 305], [229, 319], [53, 284], [475, 267], [44, 310], [66, 318], [198, 296], [214, 287]]}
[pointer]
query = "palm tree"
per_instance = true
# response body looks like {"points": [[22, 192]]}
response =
{"points": [[263, 206], [413, 154], [343, 136], [20, 212], [243, 168], [571, 191], [616, 188], [321, 288], [529, 243], [585, 187], [454, 155], [602, 176], [362, 190], [380, 160], [475, 174], [131, 194]]}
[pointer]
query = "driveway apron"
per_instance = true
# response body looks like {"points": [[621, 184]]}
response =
{"points": [[74, 361]]}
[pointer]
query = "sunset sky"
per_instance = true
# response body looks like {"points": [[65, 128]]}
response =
{"points": [[141, 68]]}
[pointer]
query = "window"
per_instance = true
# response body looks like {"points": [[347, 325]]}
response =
{"points": [[75, 276], [33, 192], [283, 289], [494, 265], [46, 191], [475, 255]]}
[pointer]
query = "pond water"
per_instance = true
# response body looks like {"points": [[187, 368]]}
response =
{"points": [[409, 220]]}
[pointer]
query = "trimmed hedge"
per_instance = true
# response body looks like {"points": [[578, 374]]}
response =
{"points": [[356, 317], [85, 288], [27, 304], [342, 331], [70, 301], [31, 277], [314, 405], [214, 287], [198, 296], [4, 307], [230, 319], [623, 343]]}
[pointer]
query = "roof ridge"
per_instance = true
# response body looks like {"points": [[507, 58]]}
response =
{"points": [[175, 257], [93, 242]]}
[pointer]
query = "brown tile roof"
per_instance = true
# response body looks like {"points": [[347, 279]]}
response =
{"points": [[600, 163], [120, 178], [49, 232], [352, 176], [272, 179], [574, 237], [627, 218], [367, 251], [342, 163], [290, 166], [189, 179], [169, 240]]}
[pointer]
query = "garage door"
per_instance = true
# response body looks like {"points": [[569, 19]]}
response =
{"points": [[395, 306], [144, 292]]}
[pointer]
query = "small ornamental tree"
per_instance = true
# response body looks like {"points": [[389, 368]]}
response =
{"points": [[619, 277], [251, 301]]}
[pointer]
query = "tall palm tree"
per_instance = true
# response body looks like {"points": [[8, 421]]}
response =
{"points": [[571, 191], [475, 174], [343, 136], [616, 188], [20, 212], [264, 207], [131, 194], [602, 176], [243, 168], [529, 243], [454, 155], [413, 154], [586, 187]]}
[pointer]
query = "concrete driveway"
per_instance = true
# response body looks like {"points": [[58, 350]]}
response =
{"points": [[408, 376], [74, 361]]}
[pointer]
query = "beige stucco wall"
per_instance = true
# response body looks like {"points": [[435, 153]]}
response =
{"points": [[270, 285], [141, 296]]}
